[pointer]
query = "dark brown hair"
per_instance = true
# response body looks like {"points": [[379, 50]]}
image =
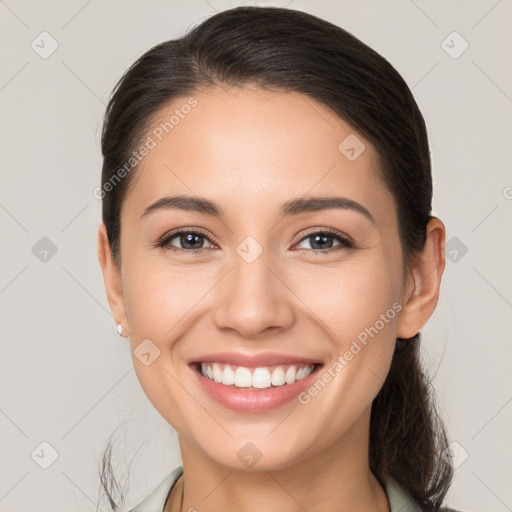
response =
{"points": [[290, 51]]}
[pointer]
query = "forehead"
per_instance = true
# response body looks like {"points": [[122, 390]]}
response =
{"points": [[251, 148]]}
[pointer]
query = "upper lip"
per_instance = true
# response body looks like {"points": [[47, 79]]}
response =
{"points": [[252, 360]]}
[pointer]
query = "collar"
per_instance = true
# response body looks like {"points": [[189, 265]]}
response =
{"points": [[399, 500]]}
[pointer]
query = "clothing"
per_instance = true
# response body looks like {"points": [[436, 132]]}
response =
{"points": [[155, 501]]}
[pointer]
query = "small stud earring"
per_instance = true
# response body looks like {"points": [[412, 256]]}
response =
{"points": [[119, 329]]}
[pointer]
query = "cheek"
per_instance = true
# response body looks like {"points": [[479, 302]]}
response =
{"points": [[351, 297], [358, 306], [159, 303], [157, 296], [355, 308]]}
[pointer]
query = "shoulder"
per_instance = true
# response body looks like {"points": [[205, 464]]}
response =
{"points": [[155, 501], [400, 501]]}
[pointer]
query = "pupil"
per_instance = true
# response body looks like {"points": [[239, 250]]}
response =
{"points": [[189, 238], [322, 245]]}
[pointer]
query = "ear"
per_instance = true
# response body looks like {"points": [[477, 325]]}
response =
{"points": [[112, 279], [422, 289]]}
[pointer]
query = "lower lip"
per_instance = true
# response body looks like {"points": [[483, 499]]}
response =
{"points": [[246, 400]]}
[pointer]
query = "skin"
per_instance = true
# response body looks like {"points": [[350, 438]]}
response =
{"points": [[250, 151]]}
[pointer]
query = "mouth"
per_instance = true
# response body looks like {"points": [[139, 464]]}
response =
{"points": [[264, 377], [254, 388]]}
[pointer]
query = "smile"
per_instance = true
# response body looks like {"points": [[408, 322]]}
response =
{"points": [[255, 378], [254, 383]]}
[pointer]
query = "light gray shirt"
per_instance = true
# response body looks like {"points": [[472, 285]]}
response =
{"points": [[399, 501]]}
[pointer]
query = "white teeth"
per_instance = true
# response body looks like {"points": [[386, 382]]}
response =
{"points": [[228, 377], [261, 378], [300, 373], [278, 376], [290, 375], [217, 373], [243, 377], [258, 378]]}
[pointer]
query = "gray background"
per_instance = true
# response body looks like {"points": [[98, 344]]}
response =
{"points": [[66, 378]]}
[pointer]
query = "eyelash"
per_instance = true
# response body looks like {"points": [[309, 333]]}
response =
{"points": [[345, 243]]}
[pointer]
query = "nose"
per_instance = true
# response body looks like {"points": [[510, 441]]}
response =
{"points": [[254, 300]]}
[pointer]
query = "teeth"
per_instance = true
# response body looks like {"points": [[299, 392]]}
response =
{"points": [[217, 373], [243, 377], [257, 378], [278, 377], [228, 377], [261, 378], [290, 375]]}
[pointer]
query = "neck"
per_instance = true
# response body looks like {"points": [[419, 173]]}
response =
{"points": [[336, 478]]}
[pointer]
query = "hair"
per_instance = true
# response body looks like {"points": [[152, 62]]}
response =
{"points": [[285, 50]]}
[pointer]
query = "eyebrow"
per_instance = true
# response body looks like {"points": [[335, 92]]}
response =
{"points": [[292, 207]]}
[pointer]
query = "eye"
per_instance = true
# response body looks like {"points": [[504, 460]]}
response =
{"points": [[192, 241], [323, 241], [189, 241]]}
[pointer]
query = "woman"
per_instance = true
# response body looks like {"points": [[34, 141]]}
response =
{"points": [[269, 250]]}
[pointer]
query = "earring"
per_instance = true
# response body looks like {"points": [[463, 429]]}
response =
{"points": [[119, 329]]}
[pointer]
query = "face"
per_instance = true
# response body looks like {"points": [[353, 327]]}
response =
{"points": [[263, 282]]}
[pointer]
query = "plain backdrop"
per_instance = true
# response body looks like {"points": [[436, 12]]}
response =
{"points": [[66, 379]]}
